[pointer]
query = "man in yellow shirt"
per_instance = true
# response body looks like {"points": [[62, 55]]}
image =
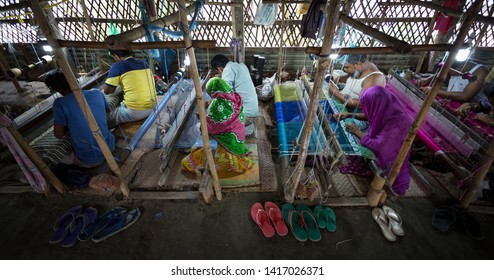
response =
{"points": [[135, 78]]}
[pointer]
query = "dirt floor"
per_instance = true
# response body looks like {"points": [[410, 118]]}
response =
{"points": [[191, 229]]}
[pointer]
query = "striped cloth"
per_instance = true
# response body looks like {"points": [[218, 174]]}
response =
{"points": [[33, 175]]}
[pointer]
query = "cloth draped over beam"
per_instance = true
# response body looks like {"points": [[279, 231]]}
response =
{"points": [[32, 173]]}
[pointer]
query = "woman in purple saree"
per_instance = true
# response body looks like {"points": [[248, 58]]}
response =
{"points": [[388, 127]]}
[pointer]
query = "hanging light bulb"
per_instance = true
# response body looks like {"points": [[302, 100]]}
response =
{"points": [[47, 48], [187, 60], [462, 55]]}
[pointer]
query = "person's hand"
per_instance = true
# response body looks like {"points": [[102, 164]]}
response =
{"points": [[426, 90], [421, 82], [341, 116], [484, 118], [464, 110], [353, 129], [332, 88]]}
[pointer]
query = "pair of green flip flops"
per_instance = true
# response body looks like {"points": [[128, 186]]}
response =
{"points": [[326, 218], [301, 222]]}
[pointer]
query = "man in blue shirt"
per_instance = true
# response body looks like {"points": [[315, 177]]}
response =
{"points": [[68, 118], [238, 76]]}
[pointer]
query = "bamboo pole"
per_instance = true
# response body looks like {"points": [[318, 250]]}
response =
{"points": [[280, 51], [205, 44], [5, 67], [13, 7], [74, 85], [139, 32], [398, 45], [40, 164], [91, 32], [389, 50], [462, 34], [483, 167], [427, 40], [199, 97], [332, 8], [447, 11]]}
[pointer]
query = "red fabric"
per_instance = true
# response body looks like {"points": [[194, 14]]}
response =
{"points": [[444, 22]]}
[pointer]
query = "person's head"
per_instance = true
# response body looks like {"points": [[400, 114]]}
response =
{"points": [[56, 80], [354, 64], [120, 54], [217, 84], [489, 92], [219, 62]]}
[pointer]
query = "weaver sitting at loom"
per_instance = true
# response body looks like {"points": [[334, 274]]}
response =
{"points": [[465, 82], [388, 122], [484, 106], [361, 74], [226, 126]]}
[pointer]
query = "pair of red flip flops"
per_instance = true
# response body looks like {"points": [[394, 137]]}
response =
{"points": [[268, 217]]}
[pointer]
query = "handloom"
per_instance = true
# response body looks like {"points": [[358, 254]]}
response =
{"points": [[440, 127]]}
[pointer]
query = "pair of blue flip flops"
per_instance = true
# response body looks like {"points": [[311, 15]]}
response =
{"points": [[110, 223], [67, 229]]}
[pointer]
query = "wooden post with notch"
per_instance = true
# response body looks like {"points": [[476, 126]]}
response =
{"points": [[184, 24], [332, 8]]}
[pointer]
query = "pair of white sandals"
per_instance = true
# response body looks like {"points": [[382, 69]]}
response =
{"points": [[389, 221]]}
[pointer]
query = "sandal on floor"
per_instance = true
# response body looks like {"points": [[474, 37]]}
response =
{"points": [[443, 218], [119, 223], [330, 219], [394, 220], [274, 214], [382, 220], [320, 216], [260, 217], [100, 223], [80, 223], [471, 225], [310, 222], [62, 226], [294, 221]]}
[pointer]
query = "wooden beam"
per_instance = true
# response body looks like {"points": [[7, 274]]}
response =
{"points": [[203, 44], [445, 10], [238, 27], [4, 65], [142, 195], [137, 33], [462, 34], [51, 37], [385, 50], [427, 40], [90, 30], [280, 52], [398, 45], [199, 97], [332, 8], [13, 7]]}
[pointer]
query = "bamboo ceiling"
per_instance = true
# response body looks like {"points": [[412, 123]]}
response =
{"points": [[405, 22]]}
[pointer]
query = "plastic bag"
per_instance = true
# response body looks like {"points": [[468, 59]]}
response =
{"points": [[266, 14]]}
